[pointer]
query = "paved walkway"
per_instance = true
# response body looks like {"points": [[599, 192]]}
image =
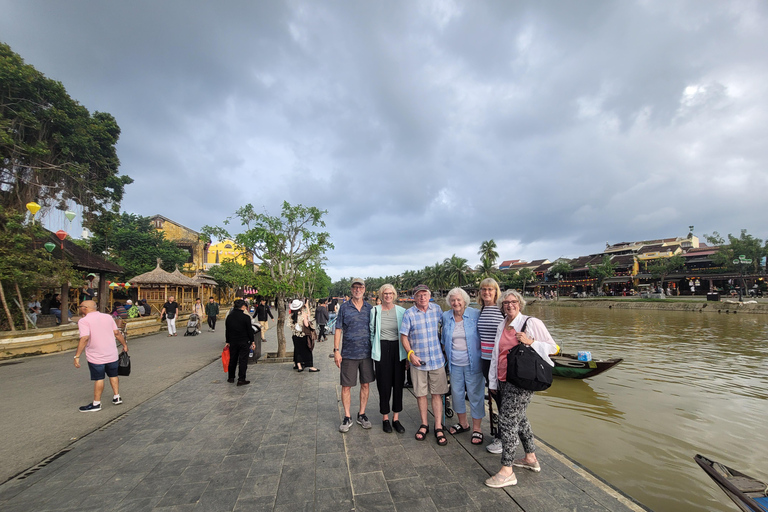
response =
{"points": [[207, 445]]}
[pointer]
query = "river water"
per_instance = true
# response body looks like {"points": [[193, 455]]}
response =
{"points": [[690, 383]]}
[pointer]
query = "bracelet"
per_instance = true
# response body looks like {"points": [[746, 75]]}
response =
{"points": [[77, 357], [408, 357]]}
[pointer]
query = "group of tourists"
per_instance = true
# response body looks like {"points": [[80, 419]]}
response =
{"points": [[374, 343]]}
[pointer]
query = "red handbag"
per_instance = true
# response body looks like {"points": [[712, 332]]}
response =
{"points": [[225, 358]]}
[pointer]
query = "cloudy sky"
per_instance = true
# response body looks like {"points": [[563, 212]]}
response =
{"points": [[425, 127]]}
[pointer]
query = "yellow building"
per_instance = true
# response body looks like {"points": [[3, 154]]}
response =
{"points": [[184, 238], [227, 250]]}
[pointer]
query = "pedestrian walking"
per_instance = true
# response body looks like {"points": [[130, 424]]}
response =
{"points": [[239, 337], [98, 333], [170, 311], [212, 312]]}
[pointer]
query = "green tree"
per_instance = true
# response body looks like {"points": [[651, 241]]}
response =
{"points": [[602, 271], [485, 269], [26, 266], [745, 245], [522, 277], [662, 267], [52, 150], [457, 272], [341, 287], [560, 269], [283, 244], [132, 242], [488, 251]]}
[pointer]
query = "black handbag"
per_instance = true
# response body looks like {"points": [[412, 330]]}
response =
{"points": [[526, 369], [124, 364]]}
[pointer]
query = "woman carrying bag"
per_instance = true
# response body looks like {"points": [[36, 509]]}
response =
{"points": [[513, 423], [303, 343]]}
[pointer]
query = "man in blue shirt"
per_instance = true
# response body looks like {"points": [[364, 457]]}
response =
{"points": [[353, 325], [419, 334]]}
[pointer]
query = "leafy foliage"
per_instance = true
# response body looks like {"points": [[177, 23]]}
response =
{"points": [[285, 245], [132, 242], [662, 267], [746, 245], [52, 150], [602, 271], [24, 262], [488, 251]]}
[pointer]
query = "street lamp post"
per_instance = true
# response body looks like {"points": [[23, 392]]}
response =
{"points": [[557, 289]]}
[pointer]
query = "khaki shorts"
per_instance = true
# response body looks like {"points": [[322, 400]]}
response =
{"points": [[432, 382], [351, 367], [264, 325]]}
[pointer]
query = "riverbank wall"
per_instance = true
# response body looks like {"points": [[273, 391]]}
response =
{"points": [[48, 340], [718, 307]]}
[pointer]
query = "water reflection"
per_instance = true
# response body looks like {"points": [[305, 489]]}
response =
{"points": [[578, 395], [689, 383]]}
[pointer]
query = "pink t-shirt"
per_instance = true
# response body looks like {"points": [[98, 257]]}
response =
{"points": [[507, 341], [102, 346]]}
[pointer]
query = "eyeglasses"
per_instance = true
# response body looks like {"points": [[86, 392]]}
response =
{"points": [[510, 302]]}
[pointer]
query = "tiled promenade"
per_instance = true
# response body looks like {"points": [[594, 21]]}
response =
{"points": [[207, 445]]}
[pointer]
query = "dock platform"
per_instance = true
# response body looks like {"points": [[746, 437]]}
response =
{"points": [[205, 445]]}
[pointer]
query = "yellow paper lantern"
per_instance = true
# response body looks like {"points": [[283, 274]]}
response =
{"points": [[33, 207]]}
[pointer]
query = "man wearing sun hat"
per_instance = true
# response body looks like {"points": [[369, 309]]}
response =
{"points": [[353, 357], [419, 333]]}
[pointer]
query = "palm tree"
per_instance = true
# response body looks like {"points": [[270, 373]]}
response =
{"points": [[488, 251], [456, 270], [485, 269]]}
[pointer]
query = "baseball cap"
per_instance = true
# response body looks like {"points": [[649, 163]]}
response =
{"points": [[357, 280], [420, 288]]}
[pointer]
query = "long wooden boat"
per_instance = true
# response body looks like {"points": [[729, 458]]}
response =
{"points": [[749, 494], [569, 366]]}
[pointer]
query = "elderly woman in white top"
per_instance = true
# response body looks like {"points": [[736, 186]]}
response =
{"points": [[513, 423], [462, 350]]}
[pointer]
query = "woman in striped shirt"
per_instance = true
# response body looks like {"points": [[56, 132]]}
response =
{"points": [[487, 324]]}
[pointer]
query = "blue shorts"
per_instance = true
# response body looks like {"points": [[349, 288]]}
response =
{"points": [[98, 370]]}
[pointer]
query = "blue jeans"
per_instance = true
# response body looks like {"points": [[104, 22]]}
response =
{"points": [[462, 380]]}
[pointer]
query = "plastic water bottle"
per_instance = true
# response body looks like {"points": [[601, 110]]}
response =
{"points": [[585, 355]]}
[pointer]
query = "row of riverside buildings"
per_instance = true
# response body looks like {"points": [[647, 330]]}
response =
{"points": [[699, 276]]}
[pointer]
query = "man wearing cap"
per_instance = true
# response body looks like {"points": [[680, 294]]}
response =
{"points": [[238, 334], [419, 333], [354, 355]]}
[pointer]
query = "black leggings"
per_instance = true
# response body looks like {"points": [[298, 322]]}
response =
{"points": [[390, 377], [486, 367]]}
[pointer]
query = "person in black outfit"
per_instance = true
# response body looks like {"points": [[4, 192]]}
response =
{"points": [[261, 312], [239, 338], [321, 317]]}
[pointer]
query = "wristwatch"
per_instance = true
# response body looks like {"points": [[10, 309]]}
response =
{"points": [[335, 350]]}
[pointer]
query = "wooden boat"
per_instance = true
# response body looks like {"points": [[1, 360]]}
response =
{"points": [[569, 366], [749, 494]]}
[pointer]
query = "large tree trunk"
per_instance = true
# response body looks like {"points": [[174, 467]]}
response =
{"points": [[5, 307], [280, 306], [22, 306]]}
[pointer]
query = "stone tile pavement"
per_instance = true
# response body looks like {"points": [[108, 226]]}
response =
{"points": [[206, 445]]}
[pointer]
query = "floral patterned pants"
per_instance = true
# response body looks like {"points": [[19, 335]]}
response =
{"points": [[513, 422]]}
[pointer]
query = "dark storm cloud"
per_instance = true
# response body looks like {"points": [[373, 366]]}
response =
{"points": [[427, 127]]}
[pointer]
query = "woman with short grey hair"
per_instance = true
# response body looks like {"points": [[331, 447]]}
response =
{"points": [[513, 423], [462, 350]]}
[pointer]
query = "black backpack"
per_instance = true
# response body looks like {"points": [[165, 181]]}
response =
{"points": [[526, 369]]}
